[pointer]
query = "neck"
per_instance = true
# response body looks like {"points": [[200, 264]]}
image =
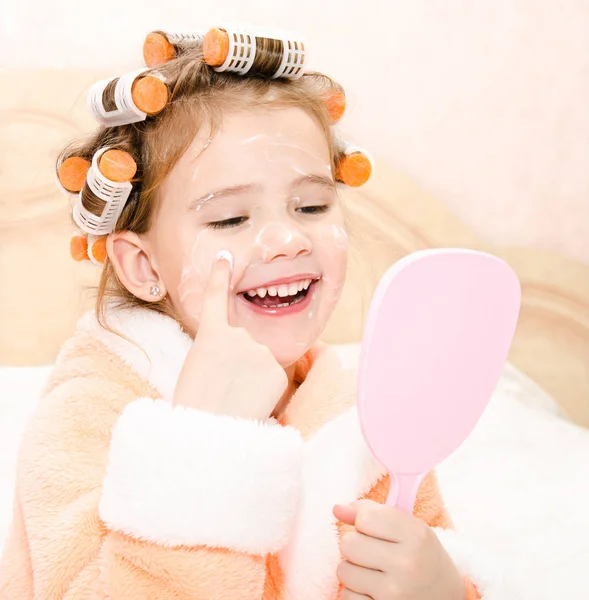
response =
{"points": [[291, 388]]}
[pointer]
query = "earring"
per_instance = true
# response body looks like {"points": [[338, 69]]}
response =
{"points": [[155, 290]]}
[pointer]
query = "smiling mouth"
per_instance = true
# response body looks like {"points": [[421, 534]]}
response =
{"points": [[280, 296]]}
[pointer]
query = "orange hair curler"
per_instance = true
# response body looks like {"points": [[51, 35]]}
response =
{"points": [[215, 47], [355, 167], [335, 101], [79, 248], [160, 48], [247, 51], [72, 173], [97, 249], [127, 99], [88, 247], [117, 165], [107, 189]]}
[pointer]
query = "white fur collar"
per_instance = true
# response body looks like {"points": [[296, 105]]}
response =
{"points": [[337, 466], [155, 348]]}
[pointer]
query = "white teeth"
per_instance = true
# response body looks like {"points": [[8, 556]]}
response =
{"points": [[288, 289]]}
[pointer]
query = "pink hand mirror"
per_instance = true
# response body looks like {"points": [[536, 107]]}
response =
{"points": [[437, 336]]}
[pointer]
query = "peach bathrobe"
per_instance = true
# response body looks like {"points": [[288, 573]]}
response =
{"points": [[122, 496]]}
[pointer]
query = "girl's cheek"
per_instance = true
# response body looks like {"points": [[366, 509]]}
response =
{"points": [[332, 244], [196, 269]]}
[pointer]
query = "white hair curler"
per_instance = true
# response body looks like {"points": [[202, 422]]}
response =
{"points": [[114, 194], [130, 107], [160, 47], [185, 38], [235, 49], [293, 58]]}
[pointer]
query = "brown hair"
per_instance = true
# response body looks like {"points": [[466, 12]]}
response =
{"points": [[198, 96]]}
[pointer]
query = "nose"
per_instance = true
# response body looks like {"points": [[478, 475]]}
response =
{"points": [[281, 240]]}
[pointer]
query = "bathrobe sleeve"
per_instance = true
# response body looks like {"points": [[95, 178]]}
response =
{"points": [[153, 502]]}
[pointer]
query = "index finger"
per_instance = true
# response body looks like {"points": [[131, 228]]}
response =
{"points": [[215, 308]]}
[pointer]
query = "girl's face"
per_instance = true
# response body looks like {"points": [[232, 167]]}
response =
{"points": [[263, 190]]}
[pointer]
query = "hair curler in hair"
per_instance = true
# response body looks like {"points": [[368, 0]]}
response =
{"points": [[127, 99], [88, 247], [79, 247], [245, 51], [335, 102], [107, 189], [72, 173], [97, 249], [160, 48], [355, 166]]}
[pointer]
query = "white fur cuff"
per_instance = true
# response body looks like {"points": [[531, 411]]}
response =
{"points": [[482, 569], [179, 476]]}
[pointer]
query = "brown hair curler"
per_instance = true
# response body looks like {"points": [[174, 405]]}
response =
{"points": [[160, 48], [127, 99], [245, 51], [355, 167], [106, 190]]}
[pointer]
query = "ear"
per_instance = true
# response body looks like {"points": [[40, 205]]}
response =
{"points": [[130, 258]]}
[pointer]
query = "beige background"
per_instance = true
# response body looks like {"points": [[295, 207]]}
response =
{"points": [[476, 112]]}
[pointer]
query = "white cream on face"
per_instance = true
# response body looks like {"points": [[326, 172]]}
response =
{"points": [[263, 173]]}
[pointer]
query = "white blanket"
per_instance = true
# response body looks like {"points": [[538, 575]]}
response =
{"points": [[518, 487]]}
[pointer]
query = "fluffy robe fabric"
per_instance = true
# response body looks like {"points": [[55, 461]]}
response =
{"points": [[122, 496]]}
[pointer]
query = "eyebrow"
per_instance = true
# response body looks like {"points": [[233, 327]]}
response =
{"points": [[237, 190]]}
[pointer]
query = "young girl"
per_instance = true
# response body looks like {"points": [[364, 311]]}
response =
{"points": [[195, 440]]}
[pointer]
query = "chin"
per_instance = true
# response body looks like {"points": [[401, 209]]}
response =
{"points": [[285, 358], [285, 353]]}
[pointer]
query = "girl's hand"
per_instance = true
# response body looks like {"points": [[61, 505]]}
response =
{"points": [[226, 371], [392, 555]]}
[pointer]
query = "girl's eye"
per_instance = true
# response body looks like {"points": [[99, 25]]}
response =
{"points": [[236, 221], [314, 210], [227, 223]]}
